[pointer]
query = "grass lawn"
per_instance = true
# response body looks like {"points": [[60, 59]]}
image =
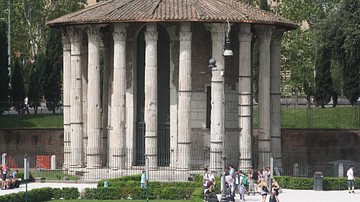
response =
{"points": [[114, 200], [32, 121], [344, 117]]}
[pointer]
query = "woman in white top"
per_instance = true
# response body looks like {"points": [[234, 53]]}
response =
{"points": [[351, 179]]}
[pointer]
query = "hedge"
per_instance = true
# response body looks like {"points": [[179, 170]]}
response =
{"points": [[42, 194], [307, 183]]}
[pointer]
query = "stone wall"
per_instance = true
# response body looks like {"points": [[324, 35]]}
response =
{"points": [[32, 142]]}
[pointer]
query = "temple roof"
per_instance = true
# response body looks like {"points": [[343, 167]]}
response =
{"points": [[113, 11]]}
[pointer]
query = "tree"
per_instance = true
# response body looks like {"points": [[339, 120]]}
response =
{"points": [[323, 91], [4, 78], [36, 82], [52, 71], [299, 56], [17, 88], [339, 33]]}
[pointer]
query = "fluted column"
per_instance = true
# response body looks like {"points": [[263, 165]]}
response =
{"points": [[275, 96], [245, 96], [93, 97], [76, 136], [108, 42], [84, 88], [66, 96], [264, 34], [217, 128], [151, 94], [184, 105], [118, 122]]}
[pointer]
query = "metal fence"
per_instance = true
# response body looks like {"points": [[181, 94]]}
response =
{"points": [[43, 164]]}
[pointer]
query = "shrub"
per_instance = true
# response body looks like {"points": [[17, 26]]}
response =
{"points": [[70, 193]]}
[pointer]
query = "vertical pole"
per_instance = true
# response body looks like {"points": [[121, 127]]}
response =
{"points": [[147, 177], [271, 177], [26, 175], [9, 37]]}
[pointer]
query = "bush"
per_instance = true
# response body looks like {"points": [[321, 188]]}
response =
{"points": [[70, 193], [307, 183], [41, 195]]}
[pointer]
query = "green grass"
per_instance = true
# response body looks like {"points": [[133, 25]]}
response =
{"points": [[115, 200], [345, 117], [32, 121]]}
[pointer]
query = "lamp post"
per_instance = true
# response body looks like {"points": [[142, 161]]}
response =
{"points": [[26, 174], [218, 99]]}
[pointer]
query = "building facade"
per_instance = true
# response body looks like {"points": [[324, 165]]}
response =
{"points": [[137, 84]]}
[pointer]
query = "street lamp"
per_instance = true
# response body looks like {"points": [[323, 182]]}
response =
{"points": [[218, 99]]}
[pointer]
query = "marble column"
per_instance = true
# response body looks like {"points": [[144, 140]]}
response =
{"points": [[275, 97], [108, 42], [184, 103], [93, 97], [245, 96], [76, 136], [117, 134], [217, 127], [66, 96], [151, 94], [264, 35], [84, 72]]}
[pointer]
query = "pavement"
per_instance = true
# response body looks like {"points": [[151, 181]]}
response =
{"points": [[287, 195], [36, 185]]}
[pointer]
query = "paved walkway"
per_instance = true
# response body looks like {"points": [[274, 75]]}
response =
{"points": [[34, 185], [286, 196]]}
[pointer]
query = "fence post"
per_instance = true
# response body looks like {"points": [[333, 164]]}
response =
{"points": [[53, 162], [296, 170], [341, 170], [3, 159]]}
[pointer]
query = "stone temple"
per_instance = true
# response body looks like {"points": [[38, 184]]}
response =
{"points": [[137, 84]]}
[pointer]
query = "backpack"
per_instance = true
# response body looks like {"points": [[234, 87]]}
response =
{"points": [[244, 180]]}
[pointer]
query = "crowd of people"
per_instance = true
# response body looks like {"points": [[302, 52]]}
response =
{"points": [[9, 179], [242, 183]]}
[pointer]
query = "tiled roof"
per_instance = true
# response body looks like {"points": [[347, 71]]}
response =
{"points": [[171, 11]]}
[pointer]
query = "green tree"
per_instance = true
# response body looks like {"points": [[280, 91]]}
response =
{"points": [[52, 71], [17, 88], [298, 54], [4, 78], [323, 88], [36, 82]]}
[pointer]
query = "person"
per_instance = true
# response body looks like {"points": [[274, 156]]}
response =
{"points": [[263, 189], [231, 170], [275, 190], [4, 173], [143, 179], [206, 178], [351, 179], [243, 184], [26, 104], [253, 180], [237, 183]]}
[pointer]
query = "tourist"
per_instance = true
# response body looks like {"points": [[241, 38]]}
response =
{"points": [[351, 179], [243, 184], [143, 179], [264, 190]]}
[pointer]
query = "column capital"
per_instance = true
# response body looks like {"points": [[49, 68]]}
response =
{"points": [[151, 36], [119, 36], [93, 33], [75, 34], [264, 33], [65, 40], [277, 36], [245, 34], [217, 31], [185, 36]]}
